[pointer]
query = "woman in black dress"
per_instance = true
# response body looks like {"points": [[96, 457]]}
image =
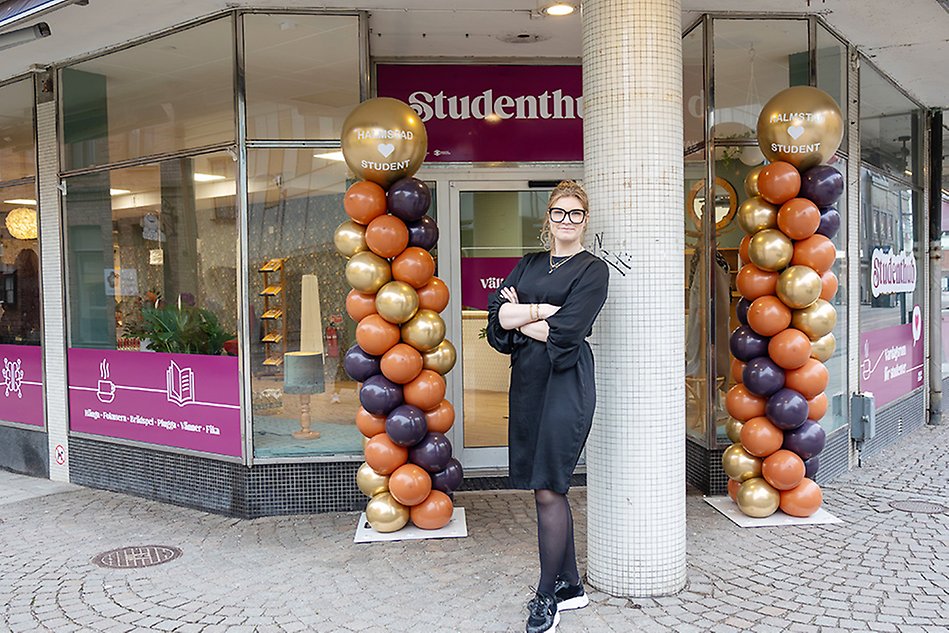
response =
{"points": [[541, 315]]}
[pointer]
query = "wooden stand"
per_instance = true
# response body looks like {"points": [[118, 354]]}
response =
{"points": [[274, 316], [305, 433]]}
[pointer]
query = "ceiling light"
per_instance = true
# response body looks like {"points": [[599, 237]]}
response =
{"points": [[22, 223], [558, 9], [26, 201], [207, 177], [118, 192], [331, 156]]}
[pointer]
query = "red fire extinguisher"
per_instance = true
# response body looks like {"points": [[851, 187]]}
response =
{"points": [[332, 341]]}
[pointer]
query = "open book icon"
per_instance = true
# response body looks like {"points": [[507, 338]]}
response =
{"points": [[180, 383]]}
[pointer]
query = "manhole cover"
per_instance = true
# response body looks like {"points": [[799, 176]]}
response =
{"points": [[132, 557], [923, 507]]}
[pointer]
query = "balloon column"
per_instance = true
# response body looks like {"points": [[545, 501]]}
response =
{"points": [[401, 353], [785, 311]]}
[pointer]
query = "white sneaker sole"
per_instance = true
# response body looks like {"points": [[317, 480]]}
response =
{"points": [[573, 603]]}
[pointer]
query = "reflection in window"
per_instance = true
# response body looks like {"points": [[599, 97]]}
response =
{"points": [[19, 267], [889, 127], [152, 257], [17, 155]]}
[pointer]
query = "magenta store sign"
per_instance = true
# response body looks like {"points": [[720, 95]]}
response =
{"points": [[21, 384], [178, 400], [492, 113], [481, 276], [891, 361]]}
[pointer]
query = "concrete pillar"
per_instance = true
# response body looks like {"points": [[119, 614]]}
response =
{"points": [[633, 170]]}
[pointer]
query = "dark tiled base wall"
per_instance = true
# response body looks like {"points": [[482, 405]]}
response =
{"points": [[23, 451], [834, 457], [894, 421]]}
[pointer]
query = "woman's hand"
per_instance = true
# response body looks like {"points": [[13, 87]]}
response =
{"points": [[509, 294], [546, 310], [538, 330]]}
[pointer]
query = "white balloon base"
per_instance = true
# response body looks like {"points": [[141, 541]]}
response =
{"points": [[730, 509], [457, 528]]}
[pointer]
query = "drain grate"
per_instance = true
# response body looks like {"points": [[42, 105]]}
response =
{"points": [[921, 507], [134, 557]]}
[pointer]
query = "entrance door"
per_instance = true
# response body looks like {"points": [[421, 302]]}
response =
{"points": [[497, 223]]}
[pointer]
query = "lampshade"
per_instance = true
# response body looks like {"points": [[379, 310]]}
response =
{"points": [[21, 223]]}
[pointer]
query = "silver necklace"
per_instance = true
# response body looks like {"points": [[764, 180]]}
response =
{"points": [[554, 266]]}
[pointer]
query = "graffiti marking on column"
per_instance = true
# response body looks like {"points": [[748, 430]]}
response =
{"points": [[614, 259]]}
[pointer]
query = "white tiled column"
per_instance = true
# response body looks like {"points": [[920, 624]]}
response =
{"points": [[632, 87]]}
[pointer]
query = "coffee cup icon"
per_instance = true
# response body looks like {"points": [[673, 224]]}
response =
{"points": [[105, 391]]}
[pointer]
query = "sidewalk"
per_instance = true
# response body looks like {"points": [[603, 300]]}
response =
{"points": [[881, 570]]}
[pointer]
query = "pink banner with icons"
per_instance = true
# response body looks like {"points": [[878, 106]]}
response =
{"points": [[891, 361], [21, 384], [476, 113], [180, 400], [480, 276]]}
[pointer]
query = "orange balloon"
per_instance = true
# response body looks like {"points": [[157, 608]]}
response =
{"points": [[376, 335], [733, 487], [434, 512], [433, 295], [778, 182], [414, 266], [738, 369], [768, 315], [383, 455], [364, 201], [784, 470], [828, 285], [743, 250], [753, 282], [760, 437], [802, 501], [817, 407], [441, 417], [798, 218], [359, 305], [426, 391], [368, 424], [744, 405], [809, 380], [790, 349], [410, 484], [402, 363], [387, 236], [817, 251]]}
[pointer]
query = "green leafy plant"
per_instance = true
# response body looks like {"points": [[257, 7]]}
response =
{"points": [[181, 330]]}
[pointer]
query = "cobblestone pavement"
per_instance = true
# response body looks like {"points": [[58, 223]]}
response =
{"points": [[881, 570]]}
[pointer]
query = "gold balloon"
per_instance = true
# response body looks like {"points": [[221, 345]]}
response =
{"points": [[367, 272], [739, 464], [370, 482], [384, 140], [385, 514], [800, 125], [757, 498], [751, 181], [424, 331], [823, 348], [798, 287], [816, 320], [770, 249], [350, 238], [757, 214], [441, 359], [397, 302], [733, 429], [365, 440]]}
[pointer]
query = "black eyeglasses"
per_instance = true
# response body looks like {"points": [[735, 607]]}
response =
{"points": [[558, 215]]}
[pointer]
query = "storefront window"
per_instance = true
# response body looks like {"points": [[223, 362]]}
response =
{"points": [[17, 154], [832, 70], [693, 86], [889, 127], [167, 95], [837, 388], [302, 74]]}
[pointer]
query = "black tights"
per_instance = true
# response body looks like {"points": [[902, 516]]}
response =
{"points": [[558, 554]]}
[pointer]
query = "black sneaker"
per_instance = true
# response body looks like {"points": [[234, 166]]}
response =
{"points": [[543, 614], [570, 596]]}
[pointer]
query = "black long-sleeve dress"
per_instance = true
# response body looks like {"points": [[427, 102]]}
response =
{"points": [[552, 394]]}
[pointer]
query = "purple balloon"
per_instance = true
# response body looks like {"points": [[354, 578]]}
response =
{"points": [[360, 365], [409, 199], [746, 344], [433, 453], [450, 478], [379, 395], [406, 426], [811, 466], [787, 409], [829, 223], [822, 185], [806, 440], [762, 376], [423, 233], [741, 310]]}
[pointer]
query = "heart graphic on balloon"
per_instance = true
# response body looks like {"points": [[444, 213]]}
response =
{"points": [[795, 131], [386, 149]]}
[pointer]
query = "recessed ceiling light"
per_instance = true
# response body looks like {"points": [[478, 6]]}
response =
{"points": [[559, 9], [331, 156], [207, 177], [26, 201], [118, 192]]}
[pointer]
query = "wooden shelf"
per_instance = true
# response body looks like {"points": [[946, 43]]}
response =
{"points": [[272, 337], [271, 266], [274, 361], [271, 291], [274, 317], [272, 313]]}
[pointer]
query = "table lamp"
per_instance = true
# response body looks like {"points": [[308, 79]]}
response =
{"points": [[303, 375]]}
